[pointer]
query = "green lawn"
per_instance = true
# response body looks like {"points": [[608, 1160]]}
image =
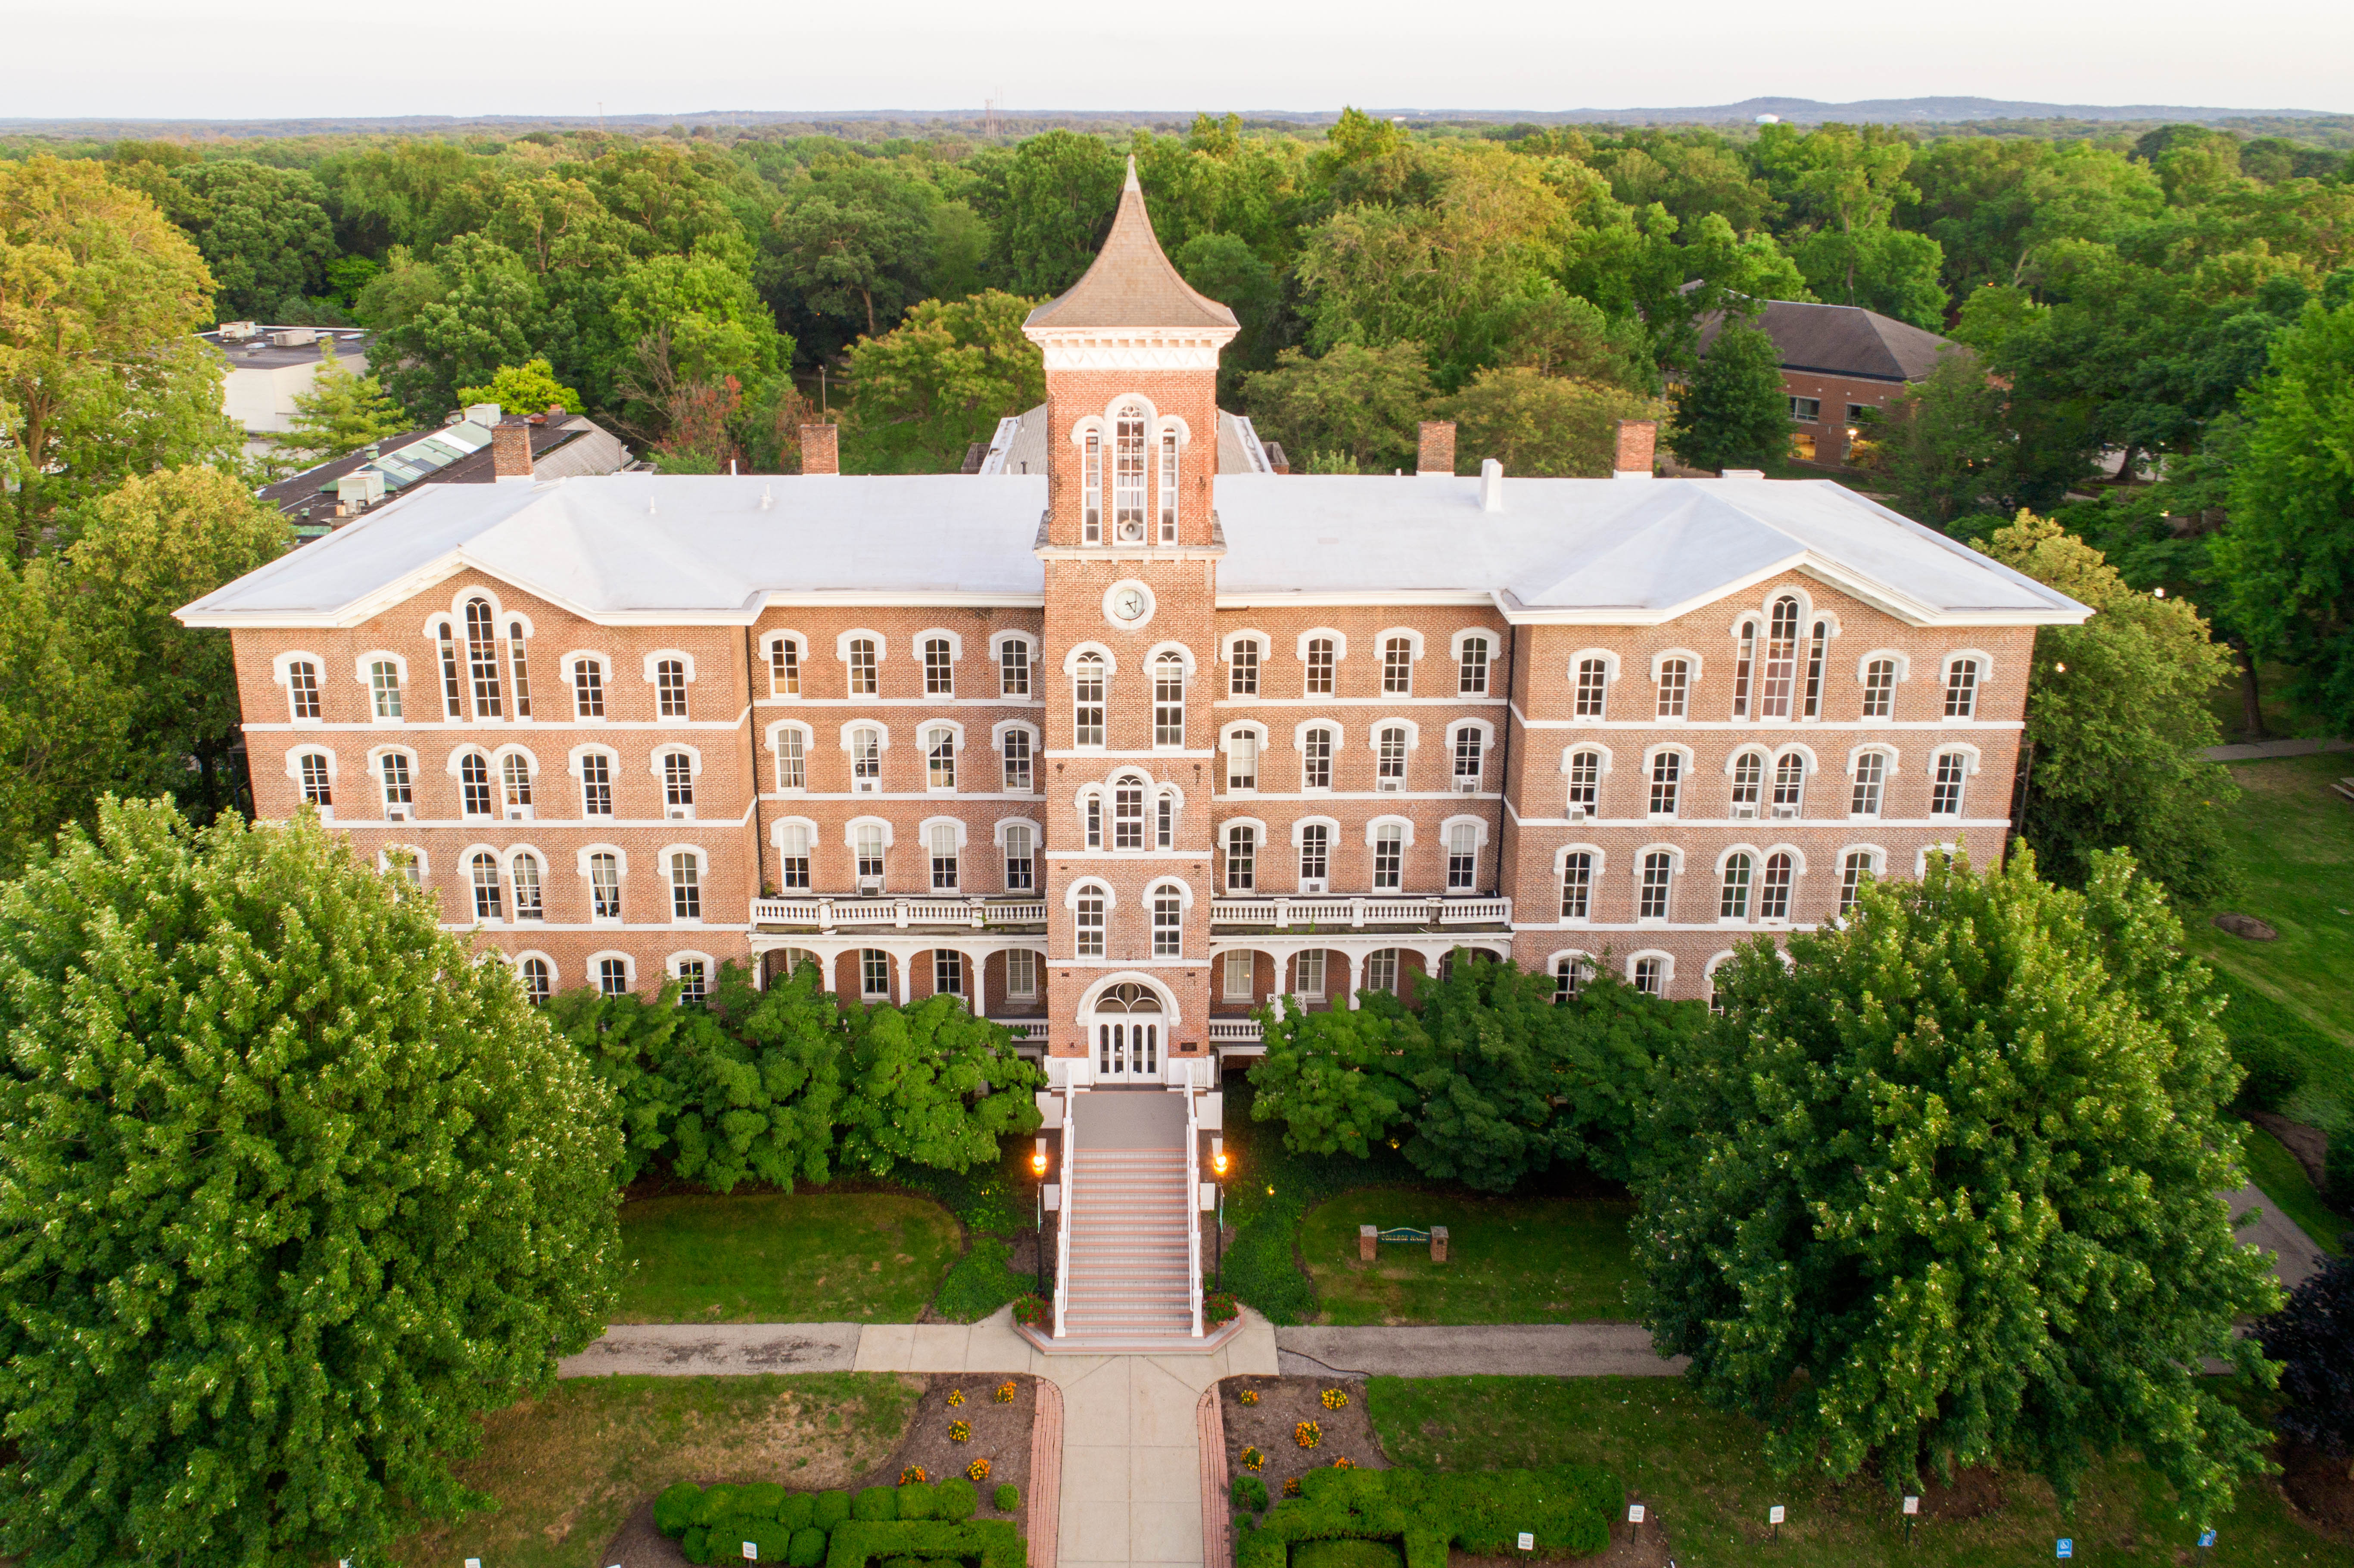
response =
{"points": [[2279, 1177], [567, 1470], [1704, 1479], [2294, 847], [1510, 1260], [802, 1257]]}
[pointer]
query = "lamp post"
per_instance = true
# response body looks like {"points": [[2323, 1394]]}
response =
{"points": [[1038, 1170], [1218, 1216]]}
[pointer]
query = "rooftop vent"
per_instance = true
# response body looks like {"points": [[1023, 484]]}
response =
{"points": [[236, 332]]}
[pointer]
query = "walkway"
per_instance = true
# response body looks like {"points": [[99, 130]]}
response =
{"points": [[1530, 1350], [2255, 750]]}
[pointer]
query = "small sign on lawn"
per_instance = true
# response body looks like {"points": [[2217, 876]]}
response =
{"points": [[1527, 1541], [1633, 1513], [1774, 1514], [1911, 1505], [2206, 1538], [751, 1552], [2067, 1546]]}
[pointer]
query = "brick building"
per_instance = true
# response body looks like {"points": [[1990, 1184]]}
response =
{"points": [[1122, 736], [1840, 366]]}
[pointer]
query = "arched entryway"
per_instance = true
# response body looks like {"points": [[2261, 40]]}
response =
{"points": [[1130, 1031]]}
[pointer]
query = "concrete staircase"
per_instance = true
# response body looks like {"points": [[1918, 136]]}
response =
{"points": [[1128, 1244]]}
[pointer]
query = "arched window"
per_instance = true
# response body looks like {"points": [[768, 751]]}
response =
{"points": [[944, 858], [1734, 905], [525, 872], [453, 699], [793, 856], [670, 688], [792, 760], [1585, 783], [939, 758], [1781, 671], [1242, 669], [605, 886], [1945, 791], [483, 658], [1242, 760], [1319, 679], [1659, 875], [1469, 744], [1675, 688], [316, 790], [1315, 857], [1128, 1030], [1127, 813], [685, 887], [1389, 858], [1878, 688], [1592, 687], [596, 785], [1014, 750], [1871, 775], [1169, 701], [1397, 666], [866, 758], [1091, 490], [1389, 768], [1382, 970], [1164, 814], [397, 797], [1569, 974], [538, 985], [1462, 858], [514, 785], [1789, 783], [1853, 875], [485, 870], [520, 668], [1127, 475], [1090, 924], [1667, 781], [1091, 807], [587, 689], [1242, 858], [474, 785], [1013, 668], [613, 976], [1962, 689], [1748, 782], [864, 667], [691, 981], [1651, 976], [1471, 671], [1087, 701], [1822, 645], [1745, 660], [1774, 892], [867, 849], [1316, 758], [1168, 487], [784, 668], [384, 686], [1577, 885], [1168, 923], [939, 668], [1019, 877], [302, 689]]}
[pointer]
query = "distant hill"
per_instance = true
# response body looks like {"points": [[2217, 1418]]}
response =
{"points": [[1924, 111]]}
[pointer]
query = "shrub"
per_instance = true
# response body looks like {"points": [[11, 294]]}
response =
{"points": [[1219, 1307], [958, 1500], [1254, 1458], [674, 1509], [876, 1504], [1034, 1311], [728, 1538], [918, 1500], [2337, 1168], [2312, 1338], [2273, 1047], [960, 1431], [863, 1543], [717, 1502], [691, 1544], [833, 1508], [1005, 1392], [761, 1498], [913, 1474], [980, 1282], [806, 1550], [1346, 1554], [1006, 1498], [799, 1511], [1248, 1493]]}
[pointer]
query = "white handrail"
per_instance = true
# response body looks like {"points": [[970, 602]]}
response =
{"points": [[1193, 1202], [1062, 1226]]}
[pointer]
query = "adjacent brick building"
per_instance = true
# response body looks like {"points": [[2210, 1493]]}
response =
{"points": [[1128, 731], [1840, 366]]}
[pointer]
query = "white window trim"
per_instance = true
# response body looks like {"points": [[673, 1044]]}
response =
{"points": [[1561, 859], [1673, 852], [629, 966], [295, 754], [1339, 645], [955, 642], [1667, 966], [1227, 643], [458, 753], [1299, 735], [1487, 735], [415, 852], [1002, 728], [1413, 733], [998, 639], [1257, 828], [1659, 664], [530, 762], [1414, 641], [1805, 754], [1651, 754], [693, 755], [1495, 640], [1081, 650], [1765, 755], [1610, 668], [710, 966], [1406, 839], [800, 645], [1945, 667], [482, 592], [702, 859], [1571, 750], [843, 640], [1951, 849], [507, 858], [882, 732], [850, 831], [555, 974], [620, 858], [777, 833], [612, 759], [1756, 861], [366, 676], [1891, 755], [933, 726], [1878, 857], [998, 831], [1152, 657], [1959, 749], [1301, 825], [1110, 899], [660, 654], [924, 831], [1184, 890], [1797, 860], [1897, 656], [1478, 826]]}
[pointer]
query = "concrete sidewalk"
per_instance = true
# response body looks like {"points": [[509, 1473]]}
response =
{"points": [[697, 1350], [2256, 750], [1546, 1350], [2295, 1258]]}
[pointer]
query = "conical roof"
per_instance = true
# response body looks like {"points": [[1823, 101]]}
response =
{"points": [[1132, 284]]}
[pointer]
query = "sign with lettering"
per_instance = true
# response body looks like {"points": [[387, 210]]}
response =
{"points": [[1911, 1505], [1527, 1541], [1774, 1514], [1633, 1513], [751, 1552]]}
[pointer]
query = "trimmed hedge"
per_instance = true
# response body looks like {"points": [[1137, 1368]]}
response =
{"points": [[1355, 1553], [860, 1543], [1568, 1508], [1007, 1497], [876, 1505], [958, 1500], [674, 1509]]}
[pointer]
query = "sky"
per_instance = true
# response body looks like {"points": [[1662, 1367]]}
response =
{"points": [[272, 59]]}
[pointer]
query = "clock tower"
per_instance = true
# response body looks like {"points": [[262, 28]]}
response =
{"points": [[1131, 549]]}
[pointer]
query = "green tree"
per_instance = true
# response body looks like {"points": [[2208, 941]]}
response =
{"points": [[1733, 411], [530, 387], [931, 1085], [2117, 715], [1336, 1078], [1946, 1187], [851, 242], [265, 234], [100, 376], [1227, 269], [943, 378], [1053, 210], [2287, 558], [340, 412], [451, 323], [295, 1189], [1891, 270], [1945, 449], [65, 711], [704, 303], [1362, 403], [1549, 427]]}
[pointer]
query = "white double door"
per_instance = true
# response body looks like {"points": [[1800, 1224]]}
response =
{"points": [[1128, 1050]]}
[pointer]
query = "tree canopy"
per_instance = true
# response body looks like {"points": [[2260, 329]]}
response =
{"points": [[1733, 413]]}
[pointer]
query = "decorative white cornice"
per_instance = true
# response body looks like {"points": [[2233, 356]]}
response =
{"points": [[1131, 348]]}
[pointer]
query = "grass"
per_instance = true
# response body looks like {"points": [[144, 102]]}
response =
{"points": [[566, 1471], [2280, 1177], [1704, 1477], [775, 1257], [1510, 1260], [2294, 848]]}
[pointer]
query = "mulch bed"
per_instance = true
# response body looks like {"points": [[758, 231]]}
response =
{"points": [[1271, 1426], [1000, 1434], [2318, 1487]]}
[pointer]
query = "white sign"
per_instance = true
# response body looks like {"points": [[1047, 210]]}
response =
{"points": [[1911, 1505], [1527, 1541], [751, 1552], [1633, 1513], [1774, 1514], [473, 1563]]}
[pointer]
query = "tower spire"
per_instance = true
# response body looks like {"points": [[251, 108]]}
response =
{"points": [[1132, 282]]}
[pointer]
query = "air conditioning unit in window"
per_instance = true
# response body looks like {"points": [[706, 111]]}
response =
{"points": [[680, 813], [1391, 784], [518, 813], [1744, 810], [1317, 884], [867, 786], [1784, 812], [1466, 784], [396, 813], [870, 885], [1578, 813]]}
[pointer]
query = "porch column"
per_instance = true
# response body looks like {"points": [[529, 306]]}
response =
{"points": [[1354, 961], [906, 960]]}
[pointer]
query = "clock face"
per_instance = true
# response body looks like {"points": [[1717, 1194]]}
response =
{"points": [[1128, 603]]}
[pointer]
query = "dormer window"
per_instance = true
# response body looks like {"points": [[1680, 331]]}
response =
{"points": [[1128, 474]]}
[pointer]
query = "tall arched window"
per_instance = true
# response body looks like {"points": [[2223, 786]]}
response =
{"points": [[1315, 857], [939, 668], [316, 790], [1087, 701], [685, 887], [1242, 858], [482, 657], [1789, 783], [514, 785], [939, 758], [596, 785], [1397, 666], [1462, 858], [384, 684], [1242, 761], [1469, 743], [1748, 782], [1164, 820], [1091, 490], [784, 668], [474, 785], [1169, 701], [1389, 767], [453, 700], [1745, 660], [863, 673], [1089, 924], [670, 689], [792, 760], [1781, 671], [613, 976], [302, 689], [1946, 790], [1592, 687], [397, 797], [1568, 977], [1168, 487], [1471, 674], [1651, 976], [1675, 688], [1128, 813], [1774, 892], [866, 758], [1319, 678], [866, 852], [1734, 905], [1014, 750], [605, 886], [1822, 645], [1577, 885], [1878, 688], [1666, 782], [1962, 689], [1659, 875], [1316, 758], [944, 858], [1019, 877], [1242, 669], [1128, 1030], [794, 857], [1168, 923], [1389, 858], [1853, 875], [520, 668], [526, 873], [537, 984], [485, 869], [587, 689], [1871, 773], [1013, 668], [1585, 783], [1127, 475], [678, 784]]}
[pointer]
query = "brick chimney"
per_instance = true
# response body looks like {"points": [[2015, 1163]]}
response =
{"points": [[1638, 444], [820, 448], [511, 449], [1434, 452]]}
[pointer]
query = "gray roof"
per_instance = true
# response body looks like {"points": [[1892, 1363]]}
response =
{"points": [[1132, 282], [1844, 340], [645, 548], [257, 353], [457, 453]]}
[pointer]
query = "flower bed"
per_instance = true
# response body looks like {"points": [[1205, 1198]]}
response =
{"points": [[1265, 1414]]}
